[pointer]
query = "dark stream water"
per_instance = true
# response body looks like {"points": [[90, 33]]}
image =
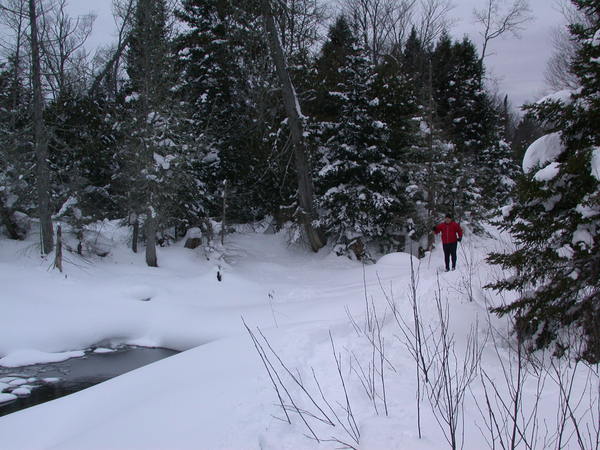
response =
{"points": [[50, 381]]}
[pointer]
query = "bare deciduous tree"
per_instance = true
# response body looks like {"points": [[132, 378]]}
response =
{"points": [[496, 20], [300, 24], [64, 56], [13, 16], [380, 24], [123, 17], [558, 72], [434, 20]]}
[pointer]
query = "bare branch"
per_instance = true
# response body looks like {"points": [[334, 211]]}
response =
{"points": [[380, 24], [496, 20]]}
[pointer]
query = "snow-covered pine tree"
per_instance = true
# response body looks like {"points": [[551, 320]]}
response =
{"points": [[556, 218], [415, 64], [431, 154], [359, 180], [16, 157], [156, 157], [148, 70], [226, 82], [497, 171], [481, 165], [399, 105], [339, 46], [463, 106], [81, 147]]}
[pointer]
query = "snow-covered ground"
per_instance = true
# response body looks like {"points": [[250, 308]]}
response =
{"points": [[217, 394]]}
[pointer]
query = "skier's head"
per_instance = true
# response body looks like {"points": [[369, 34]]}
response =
{"points": [[448, 218]]}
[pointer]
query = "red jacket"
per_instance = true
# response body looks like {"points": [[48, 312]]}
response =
{"points": [[451, 232]]}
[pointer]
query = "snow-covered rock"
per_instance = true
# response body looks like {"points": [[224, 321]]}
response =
{"points": [[5, 398], [51, 380], [17, 382], [22, 391], [104, 350]]}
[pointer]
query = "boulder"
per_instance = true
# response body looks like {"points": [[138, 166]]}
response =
{"points": [[193, 242]]}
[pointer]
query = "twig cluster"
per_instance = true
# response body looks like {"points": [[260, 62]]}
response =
{"points": [[309, 403]]}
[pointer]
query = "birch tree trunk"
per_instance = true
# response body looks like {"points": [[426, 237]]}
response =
{"points": [[40, 141], [292, 107]]}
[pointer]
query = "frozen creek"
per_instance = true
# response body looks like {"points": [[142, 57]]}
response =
{"points": [[22, 387]]}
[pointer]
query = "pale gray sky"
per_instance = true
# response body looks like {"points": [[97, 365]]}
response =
{"points": [[517, 64]]}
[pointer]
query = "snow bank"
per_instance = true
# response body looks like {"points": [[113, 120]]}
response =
{"points": [[218, 395], [29, 357], [398, 260], [544, 150]]}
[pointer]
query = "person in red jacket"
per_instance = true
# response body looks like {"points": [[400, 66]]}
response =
{"points": [[451, 234]]}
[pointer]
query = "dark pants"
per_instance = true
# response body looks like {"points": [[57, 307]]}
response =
{"points": [[450, 251]]}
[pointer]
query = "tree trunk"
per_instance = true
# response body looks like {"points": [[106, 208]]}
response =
{"points": [[110, 70], [58, 253], [136, 233], [40, 142], [292, 106], [224, 212], [431, 205], [150, 226]]}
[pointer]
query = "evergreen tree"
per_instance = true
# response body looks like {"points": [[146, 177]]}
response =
{"points": [[339, 46], [416, 60], [526, 132], [82, 146], [556, 218], [225, 82], [157, 158], [462, 104], [359, 178], [16, 157], [480, 164]]}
